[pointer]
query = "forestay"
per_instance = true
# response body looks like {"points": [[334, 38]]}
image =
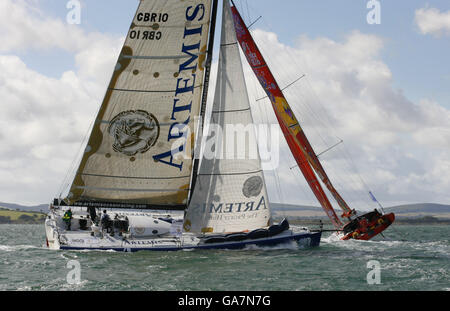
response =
{"points": [[140, 148]]}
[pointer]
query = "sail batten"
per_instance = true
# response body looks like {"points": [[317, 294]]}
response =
{"points": [[130, 190], [150, 91], [135, 177], [163, 57], [231, 111], [231, 174]]}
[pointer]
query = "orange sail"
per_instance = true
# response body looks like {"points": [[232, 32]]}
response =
{"points": [[297, 141]]}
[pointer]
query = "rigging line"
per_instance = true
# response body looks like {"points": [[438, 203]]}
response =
{"points": [[294, 60], [308, 195], [264, 117], [323, 152], [248, 10], [334, 177], [332, 147], [72, 170], [278, 187], [287, 86], [248, 27], [309, 108], [352, 164], [314, 115]]}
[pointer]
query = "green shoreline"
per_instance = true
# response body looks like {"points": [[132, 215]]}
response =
{"points": [[8, 216]]}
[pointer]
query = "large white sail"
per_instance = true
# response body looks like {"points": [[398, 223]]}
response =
{"points": [[146, 124], [230, 193]]}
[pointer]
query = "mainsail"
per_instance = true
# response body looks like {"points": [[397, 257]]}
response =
{"points": [[140, 149], [230, 194], [296, 138]]}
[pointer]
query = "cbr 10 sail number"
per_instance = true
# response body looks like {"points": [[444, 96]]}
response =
{"points": [[152, 17], [145, 35]]}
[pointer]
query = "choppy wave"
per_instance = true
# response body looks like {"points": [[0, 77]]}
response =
{"points": [[291, 245], [15, 248], [411, 258]]}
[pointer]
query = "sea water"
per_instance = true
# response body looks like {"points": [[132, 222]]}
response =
{"points": [[409, 258]]}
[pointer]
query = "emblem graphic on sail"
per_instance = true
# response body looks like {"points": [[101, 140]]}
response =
{"points": [[299, 145], [139, 163], [134, 131]]}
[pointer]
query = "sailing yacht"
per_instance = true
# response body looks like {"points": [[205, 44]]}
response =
{"points": [[359, 227], [139, 185]]}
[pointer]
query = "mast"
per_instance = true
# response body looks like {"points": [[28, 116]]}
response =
{"points": [[209, 59], [297, 141]]}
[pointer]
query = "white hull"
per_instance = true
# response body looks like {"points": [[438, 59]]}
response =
{"points": [[58, 238]]}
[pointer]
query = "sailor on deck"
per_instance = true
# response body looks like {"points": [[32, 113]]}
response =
{"points": [[92, 213], [106, 221], [68, 219]]}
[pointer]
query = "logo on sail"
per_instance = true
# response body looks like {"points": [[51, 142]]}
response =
{"points": [[253, 187], [134, 132]]}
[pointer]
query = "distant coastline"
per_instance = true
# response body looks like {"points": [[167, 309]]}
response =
{"points": [[8, 216], [401, 221], [413, 214]]}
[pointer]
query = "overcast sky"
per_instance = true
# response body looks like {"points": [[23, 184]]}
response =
{"points": [[382, 88]]}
